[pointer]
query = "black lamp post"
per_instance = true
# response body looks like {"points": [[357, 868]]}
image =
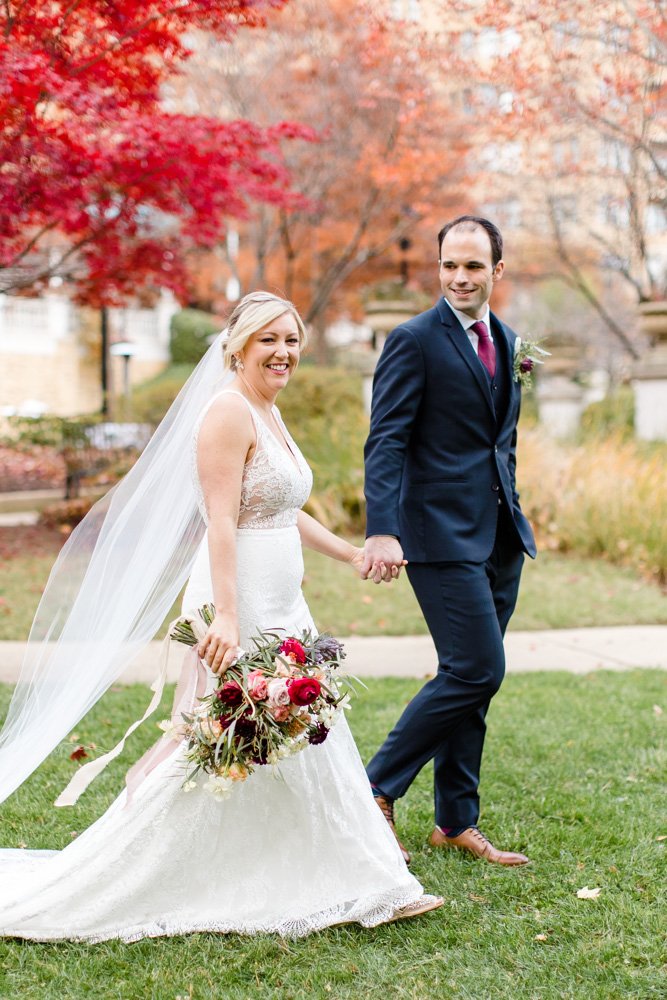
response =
{"points": [[404, 245], [124, 349]]}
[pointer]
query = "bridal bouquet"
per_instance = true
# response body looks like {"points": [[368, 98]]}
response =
{"points": [[273, 702]]}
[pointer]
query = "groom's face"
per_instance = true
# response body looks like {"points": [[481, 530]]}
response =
{"points": [[467, 274]]}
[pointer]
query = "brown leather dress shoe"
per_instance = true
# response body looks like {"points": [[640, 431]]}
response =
{"points": [[474, 842], [386, 807]]}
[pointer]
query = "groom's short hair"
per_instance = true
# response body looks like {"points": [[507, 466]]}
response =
{"points": [[471, 222]]}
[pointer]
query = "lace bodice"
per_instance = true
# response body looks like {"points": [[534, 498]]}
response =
{"points": [[275, 485]]}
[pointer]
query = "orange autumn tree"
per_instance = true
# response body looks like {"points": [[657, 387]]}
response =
{"points": [[390, 161], [584, 117]]}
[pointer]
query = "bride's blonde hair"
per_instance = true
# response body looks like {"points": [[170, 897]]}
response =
{"points": [[254, 312]]}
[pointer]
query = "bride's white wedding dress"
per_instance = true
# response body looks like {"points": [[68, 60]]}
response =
{"points": [[289, 854]]}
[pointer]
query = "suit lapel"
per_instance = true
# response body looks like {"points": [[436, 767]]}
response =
{"points": [[461, 342], [505, 356]]}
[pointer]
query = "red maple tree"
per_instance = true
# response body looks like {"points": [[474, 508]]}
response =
{"points": [[99, 183]]}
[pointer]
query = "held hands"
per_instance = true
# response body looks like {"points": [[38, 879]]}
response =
{"points": [[382, 559], [220, 646]]}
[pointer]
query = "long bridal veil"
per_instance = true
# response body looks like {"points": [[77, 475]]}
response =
{"points": [[111, 587]]}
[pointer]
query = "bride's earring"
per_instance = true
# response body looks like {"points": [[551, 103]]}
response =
{"points": [[238, 365]]}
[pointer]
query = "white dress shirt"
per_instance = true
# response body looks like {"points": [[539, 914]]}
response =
{"points": [[467, 321]]}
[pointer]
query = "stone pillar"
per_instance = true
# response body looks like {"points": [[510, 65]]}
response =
{"points": [[649, 376], [382, 315], [560, 400]]}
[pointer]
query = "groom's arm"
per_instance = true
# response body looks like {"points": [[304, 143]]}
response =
{"points": [[397, 391]]}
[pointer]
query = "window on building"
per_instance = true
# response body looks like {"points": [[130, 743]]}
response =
{"points": [[506, 214], [564, 209], [655, 221], [613, 212], [614, 154], [566, 152], [406, 10], [566, 36]]}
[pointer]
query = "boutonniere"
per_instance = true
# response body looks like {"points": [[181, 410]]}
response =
{"points": [[527, 354]]}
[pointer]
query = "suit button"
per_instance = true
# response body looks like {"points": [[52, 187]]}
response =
{"points": [[495, 487]]}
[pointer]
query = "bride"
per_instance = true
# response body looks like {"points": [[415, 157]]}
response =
{"points": [[214, 499]]}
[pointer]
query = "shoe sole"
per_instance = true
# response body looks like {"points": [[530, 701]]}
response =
{"points": [[423, 905], [479, 857]]}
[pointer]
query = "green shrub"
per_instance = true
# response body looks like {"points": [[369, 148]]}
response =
{"points": [[191, 330], [615, 414], [324, 411], [150, 401]]}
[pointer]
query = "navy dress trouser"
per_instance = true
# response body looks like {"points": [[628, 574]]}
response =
{"points": [[467, 607]]}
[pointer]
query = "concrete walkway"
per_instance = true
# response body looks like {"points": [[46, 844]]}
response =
{"points": [[578, 651]]}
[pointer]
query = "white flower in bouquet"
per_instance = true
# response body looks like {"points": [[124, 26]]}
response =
{"points": [[219, 788]]}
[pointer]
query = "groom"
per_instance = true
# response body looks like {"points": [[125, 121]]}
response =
{"points": [[440, 492]]}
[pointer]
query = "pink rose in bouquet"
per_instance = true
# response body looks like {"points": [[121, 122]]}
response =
{"points": [[258, 686], [278, 693]]}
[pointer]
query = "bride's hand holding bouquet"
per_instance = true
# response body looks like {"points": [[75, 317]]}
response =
{"points": [[219, 648]]}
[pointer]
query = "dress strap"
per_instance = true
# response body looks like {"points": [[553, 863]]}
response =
{"points": [[230, 392]]}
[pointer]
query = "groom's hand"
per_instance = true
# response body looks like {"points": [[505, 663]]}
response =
{"points": [[383, 559]]}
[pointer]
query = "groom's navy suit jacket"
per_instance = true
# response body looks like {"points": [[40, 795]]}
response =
{"points": [[441, 451]]}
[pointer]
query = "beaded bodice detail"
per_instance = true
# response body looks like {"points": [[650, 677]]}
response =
{"points": [[275, 484]]}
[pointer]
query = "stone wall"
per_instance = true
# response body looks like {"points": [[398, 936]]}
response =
{"points": [[49, 353]]}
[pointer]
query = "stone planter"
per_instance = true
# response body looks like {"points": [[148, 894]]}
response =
{"points": [[560, 399], [382, 315], [649, 376]]}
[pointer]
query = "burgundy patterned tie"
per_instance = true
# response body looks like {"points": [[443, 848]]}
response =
{"points": [[486, 351]]}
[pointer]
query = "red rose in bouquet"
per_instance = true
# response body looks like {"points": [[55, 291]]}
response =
{"points": [[292, 647], [303, 690]]}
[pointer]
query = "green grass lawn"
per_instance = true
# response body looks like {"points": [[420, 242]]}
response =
{"points": [[574, 776], [557, 591]]}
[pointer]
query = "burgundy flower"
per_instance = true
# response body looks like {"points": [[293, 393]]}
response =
{"points": [[245, 728], [318, 734], [78, 754], [294, 647], [303, 690], [230, 693], [526, 365]]}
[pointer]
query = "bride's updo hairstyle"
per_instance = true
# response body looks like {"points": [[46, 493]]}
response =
{"points": [[253, 313]]}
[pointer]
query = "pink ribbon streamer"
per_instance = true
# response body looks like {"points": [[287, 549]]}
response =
{"points": [[190, 688]]}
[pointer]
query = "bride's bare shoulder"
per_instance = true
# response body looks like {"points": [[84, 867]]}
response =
{"points": [[229, 414]]}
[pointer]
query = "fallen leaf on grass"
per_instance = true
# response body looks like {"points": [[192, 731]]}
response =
{"points": [[587, 893], [541, 937], [477, 899], [367, 599], [657, 710], [663, 837]]}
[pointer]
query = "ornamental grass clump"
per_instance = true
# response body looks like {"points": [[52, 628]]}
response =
{"points": [[606, 497]]}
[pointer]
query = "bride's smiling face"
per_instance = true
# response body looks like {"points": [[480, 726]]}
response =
{"points": [[271, 355]]}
